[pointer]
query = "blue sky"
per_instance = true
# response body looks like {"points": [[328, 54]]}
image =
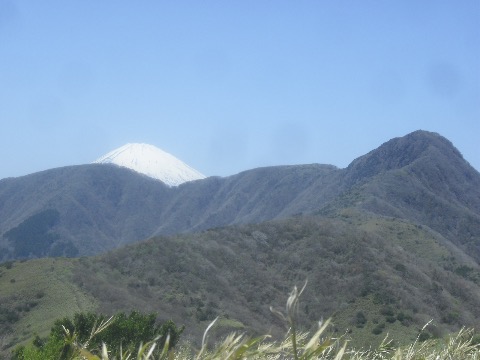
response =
{"points": [[228, 86]]}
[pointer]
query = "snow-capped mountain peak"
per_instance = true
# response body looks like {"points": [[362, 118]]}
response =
{"points": [[153, 162]]}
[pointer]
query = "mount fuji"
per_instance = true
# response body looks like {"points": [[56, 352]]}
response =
{"points": [[153, 162]]}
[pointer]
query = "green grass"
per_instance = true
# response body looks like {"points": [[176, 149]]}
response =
{"points": [[45, 291], [408, 236], [230, 324], [359, 334]]}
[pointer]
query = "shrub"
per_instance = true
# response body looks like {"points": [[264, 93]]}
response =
{"points": [[423, 336], [121, 333], [390, 319], [387, 311], [378, 329], [360, 319], [451, 317]]}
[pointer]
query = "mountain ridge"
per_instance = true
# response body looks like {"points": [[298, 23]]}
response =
{"points": [[415, 177], [400, 152]]}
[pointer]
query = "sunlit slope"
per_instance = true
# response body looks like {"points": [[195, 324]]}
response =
{"points": [[37, 292]]}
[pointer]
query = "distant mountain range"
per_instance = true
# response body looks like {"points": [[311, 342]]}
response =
{"points": [[387, 244], [88, 209]]}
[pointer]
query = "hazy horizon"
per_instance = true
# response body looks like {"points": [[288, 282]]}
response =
{"points": [[230, 86]]}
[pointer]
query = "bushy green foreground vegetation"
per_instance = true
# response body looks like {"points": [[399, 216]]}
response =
{"points": [[121, 332], [93, 337]]}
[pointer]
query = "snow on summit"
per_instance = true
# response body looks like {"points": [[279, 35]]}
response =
{"points": [[153, 162]]}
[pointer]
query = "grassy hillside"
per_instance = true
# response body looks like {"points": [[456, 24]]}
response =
{"points": [[33, 294]]}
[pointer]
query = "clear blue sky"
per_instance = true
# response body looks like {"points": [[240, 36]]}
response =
{"points": [[227, 86]]}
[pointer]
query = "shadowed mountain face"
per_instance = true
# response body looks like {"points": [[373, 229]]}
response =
{"points": [[420, 177], [99, 206]]}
